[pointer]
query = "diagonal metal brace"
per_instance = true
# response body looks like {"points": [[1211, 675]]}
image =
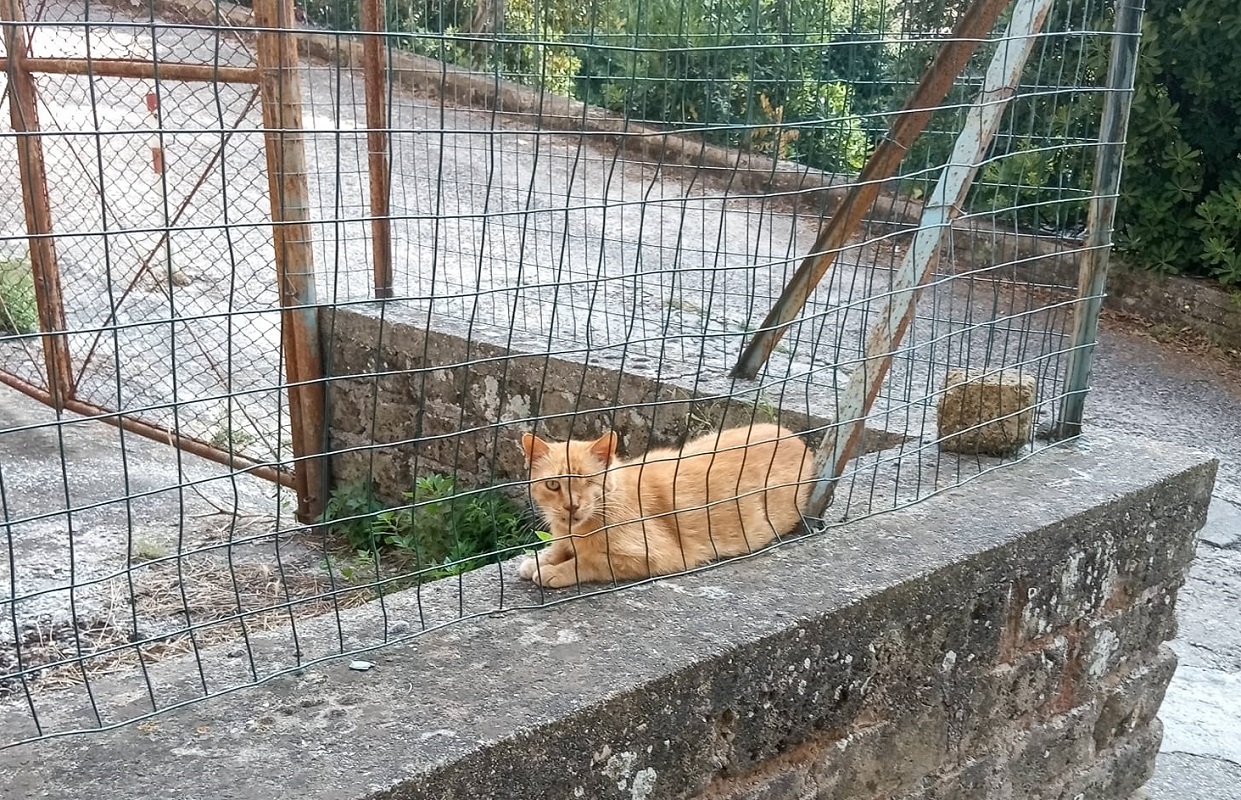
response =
{"points": [[953, 55], [982, 122]]}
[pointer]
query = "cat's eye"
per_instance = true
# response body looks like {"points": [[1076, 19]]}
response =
{"points": [[552, 486]]}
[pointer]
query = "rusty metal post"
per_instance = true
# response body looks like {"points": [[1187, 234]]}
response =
{"points": [[953, 55], [1092, 275], [943, 206], [45, 269], [279, 81], [375, 77]]}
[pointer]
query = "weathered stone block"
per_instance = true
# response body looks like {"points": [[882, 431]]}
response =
{"points": [[1132, 699], [1117, 773], [396, 386], [980, 779], [849, 666], [886, 760], [1129, 635], [986, 413], [778, 786], [1013, 693], [1052, 749]]}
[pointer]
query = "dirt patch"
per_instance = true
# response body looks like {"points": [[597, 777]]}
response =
{"points": [[178, 605], [1181, 343]]}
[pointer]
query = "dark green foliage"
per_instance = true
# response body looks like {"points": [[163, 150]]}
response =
{"points": [[438, 532], [1180, 204], [772, 76], [759, 74], [18, 309], [1038, 173]]}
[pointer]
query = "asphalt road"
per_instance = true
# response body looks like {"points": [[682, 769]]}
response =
{"points": [[1177, 394]]}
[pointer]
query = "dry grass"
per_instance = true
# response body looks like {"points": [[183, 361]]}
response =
{"points": [[1183, 340], [204, 593]]}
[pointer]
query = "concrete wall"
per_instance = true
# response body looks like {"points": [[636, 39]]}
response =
{"points": [[1002, 640]]}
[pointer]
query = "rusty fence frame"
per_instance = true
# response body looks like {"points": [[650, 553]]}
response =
{"points": [[277, 77]]}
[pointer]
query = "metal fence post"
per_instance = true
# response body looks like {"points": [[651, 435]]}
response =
{"points": [[375, 79], [1092, 274], [279, 79], [45, 269]]}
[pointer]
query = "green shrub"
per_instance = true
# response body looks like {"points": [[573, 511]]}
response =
{"points": [[438, 532], [751, 73], [773, 76], [1180, 204], [1038, 172], [18, 310]]}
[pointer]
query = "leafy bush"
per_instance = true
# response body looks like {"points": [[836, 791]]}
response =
{"points": [[1038, 172], [771, 75], [18, 311], [439, 531], [752, 73], [1180, 204]]}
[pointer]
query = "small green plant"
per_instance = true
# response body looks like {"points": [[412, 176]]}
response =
{"points": [[18, 312], [227, 436], [438, 531], [144, 550]]}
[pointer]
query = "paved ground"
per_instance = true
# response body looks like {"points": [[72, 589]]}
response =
{"points": [[1166, 393]]}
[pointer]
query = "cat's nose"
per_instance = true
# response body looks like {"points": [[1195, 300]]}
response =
{"points": [[571, 509]]}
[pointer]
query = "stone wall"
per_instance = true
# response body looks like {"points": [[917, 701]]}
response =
{"points": [[1043, 684], [999, 641], [404, 401]]}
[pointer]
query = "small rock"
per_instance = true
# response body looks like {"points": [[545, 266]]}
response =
{"points": [[398, 628], [237, 653], [986, 414], [360, 666]]}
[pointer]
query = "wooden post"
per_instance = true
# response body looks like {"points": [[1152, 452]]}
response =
{"points": [[279, 80], [24, 114], [375, 77]]}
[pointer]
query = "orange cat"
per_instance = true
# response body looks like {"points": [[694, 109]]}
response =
{"points": [[721, 495]]}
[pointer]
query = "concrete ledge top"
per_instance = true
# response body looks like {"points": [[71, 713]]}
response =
{"points": [[458, 693]]}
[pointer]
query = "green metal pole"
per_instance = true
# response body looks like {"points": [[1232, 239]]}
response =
{"points": [[1092, 276]]}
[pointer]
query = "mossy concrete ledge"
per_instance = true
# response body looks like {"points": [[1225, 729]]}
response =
{"points": [[1000, 640]]}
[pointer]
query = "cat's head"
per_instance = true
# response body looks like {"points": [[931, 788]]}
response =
{"points": [[566, 478]]}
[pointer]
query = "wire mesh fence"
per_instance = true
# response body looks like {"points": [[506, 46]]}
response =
{"points": [[547, 218]]}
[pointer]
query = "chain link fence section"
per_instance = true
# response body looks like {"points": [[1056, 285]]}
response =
{"points": [[162, 223]]}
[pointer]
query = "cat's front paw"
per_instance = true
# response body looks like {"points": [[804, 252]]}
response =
{"points": [[555, 576], [528, 568]]}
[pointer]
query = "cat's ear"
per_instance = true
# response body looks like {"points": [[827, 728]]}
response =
{"points": [[604, 448], [534, 447]]}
